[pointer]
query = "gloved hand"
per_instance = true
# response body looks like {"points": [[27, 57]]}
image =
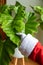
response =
{"points": [[17, 53], [28, 42]]}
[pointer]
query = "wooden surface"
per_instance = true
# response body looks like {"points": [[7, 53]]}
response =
{"points": [[20, 62], [2, 2]]}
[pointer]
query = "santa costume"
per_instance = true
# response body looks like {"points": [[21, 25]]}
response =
{"points": [[31, 47]]}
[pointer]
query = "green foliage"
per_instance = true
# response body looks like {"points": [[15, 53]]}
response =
{"points": [[21, 22], [6, 51], [8, 28], [39, 11], [12, 25], [7, 9], [31, 24]]}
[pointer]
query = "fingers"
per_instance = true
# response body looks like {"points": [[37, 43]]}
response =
{"points": [[20, 34], [17, 53]]}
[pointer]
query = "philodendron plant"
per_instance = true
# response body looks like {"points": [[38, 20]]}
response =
{"points": [[20, 21]]}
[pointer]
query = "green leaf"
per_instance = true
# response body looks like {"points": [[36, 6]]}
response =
{"points": [[8, 29], [31, 25], [42, 17], [7, 9], [39, 10], [12, 25], [19, 4], [6, 51], [19, 24], [41, 25]]}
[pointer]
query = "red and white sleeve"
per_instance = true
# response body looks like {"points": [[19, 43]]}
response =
{"points": [[37, 53], [32, 48]]}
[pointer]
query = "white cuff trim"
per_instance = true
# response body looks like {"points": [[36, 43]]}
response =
{"points": [[28, 45]]}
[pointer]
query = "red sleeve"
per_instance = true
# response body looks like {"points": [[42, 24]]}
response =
{"points": [[37, 54]]}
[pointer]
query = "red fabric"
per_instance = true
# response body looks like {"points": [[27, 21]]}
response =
{"points": [[37, 54]]}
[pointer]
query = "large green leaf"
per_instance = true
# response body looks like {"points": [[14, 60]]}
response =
{"points": [[6, 51], [8, 28], [11, 26], [7, 9], [31, 25], [38, 10], [19, 24]]}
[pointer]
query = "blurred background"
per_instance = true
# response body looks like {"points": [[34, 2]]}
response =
{"points": [[27, 4]]}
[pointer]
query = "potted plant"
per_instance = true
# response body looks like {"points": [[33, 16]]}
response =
{"points": [[20, 21]]}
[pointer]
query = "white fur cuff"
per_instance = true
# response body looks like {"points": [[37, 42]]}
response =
{"points": [[28, 45]]}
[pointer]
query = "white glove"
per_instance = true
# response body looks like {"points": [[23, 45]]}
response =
{"points": [[22, 35], [28, 42], [17, 53]]}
